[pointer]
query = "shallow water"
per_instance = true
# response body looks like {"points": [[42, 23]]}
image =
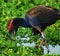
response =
{"points": [[53, 50]]}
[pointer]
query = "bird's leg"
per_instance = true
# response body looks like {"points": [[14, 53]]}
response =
{"points": [[41, 43], [44, 40], [43, 35], [47, 46]]}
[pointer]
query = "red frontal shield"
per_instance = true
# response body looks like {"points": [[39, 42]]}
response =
{"points": [[10, 25]]}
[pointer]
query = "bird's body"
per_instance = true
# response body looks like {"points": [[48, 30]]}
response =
{"points": [[41, 16], [45, 15], [37, 18]]}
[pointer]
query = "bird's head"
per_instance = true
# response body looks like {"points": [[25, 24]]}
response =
{"points": [[12, 28]]}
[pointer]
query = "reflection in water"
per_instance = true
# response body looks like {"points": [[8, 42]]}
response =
{"points": [[52, 49]]}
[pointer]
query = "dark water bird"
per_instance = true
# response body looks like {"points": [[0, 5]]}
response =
{"points": [[37, 18]]}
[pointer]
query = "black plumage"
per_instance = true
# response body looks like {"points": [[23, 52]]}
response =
{"points": [[45, 15]]}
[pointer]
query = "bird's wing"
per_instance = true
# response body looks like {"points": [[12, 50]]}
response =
{"points": [[44, 14]]}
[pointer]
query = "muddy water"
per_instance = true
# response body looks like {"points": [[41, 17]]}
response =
{"points": [[53, 50]]}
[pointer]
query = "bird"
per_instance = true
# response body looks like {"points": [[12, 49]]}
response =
{"points": [[35, 32], [37, 18]]}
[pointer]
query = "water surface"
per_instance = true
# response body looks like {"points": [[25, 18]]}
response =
{"points": [[53, 50]]}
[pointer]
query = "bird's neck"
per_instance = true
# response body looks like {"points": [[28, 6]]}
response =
{"points": [[21, 22]]}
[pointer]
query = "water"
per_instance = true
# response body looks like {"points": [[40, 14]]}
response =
{"points": [[53, 50], [22, 39], [29, 44]]}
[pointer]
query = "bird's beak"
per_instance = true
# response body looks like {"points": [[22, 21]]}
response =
{"points": [[14, 32], [11, 35]]}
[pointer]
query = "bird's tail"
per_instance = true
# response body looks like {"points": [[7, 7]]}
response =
{"points": [[58, 15]]}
